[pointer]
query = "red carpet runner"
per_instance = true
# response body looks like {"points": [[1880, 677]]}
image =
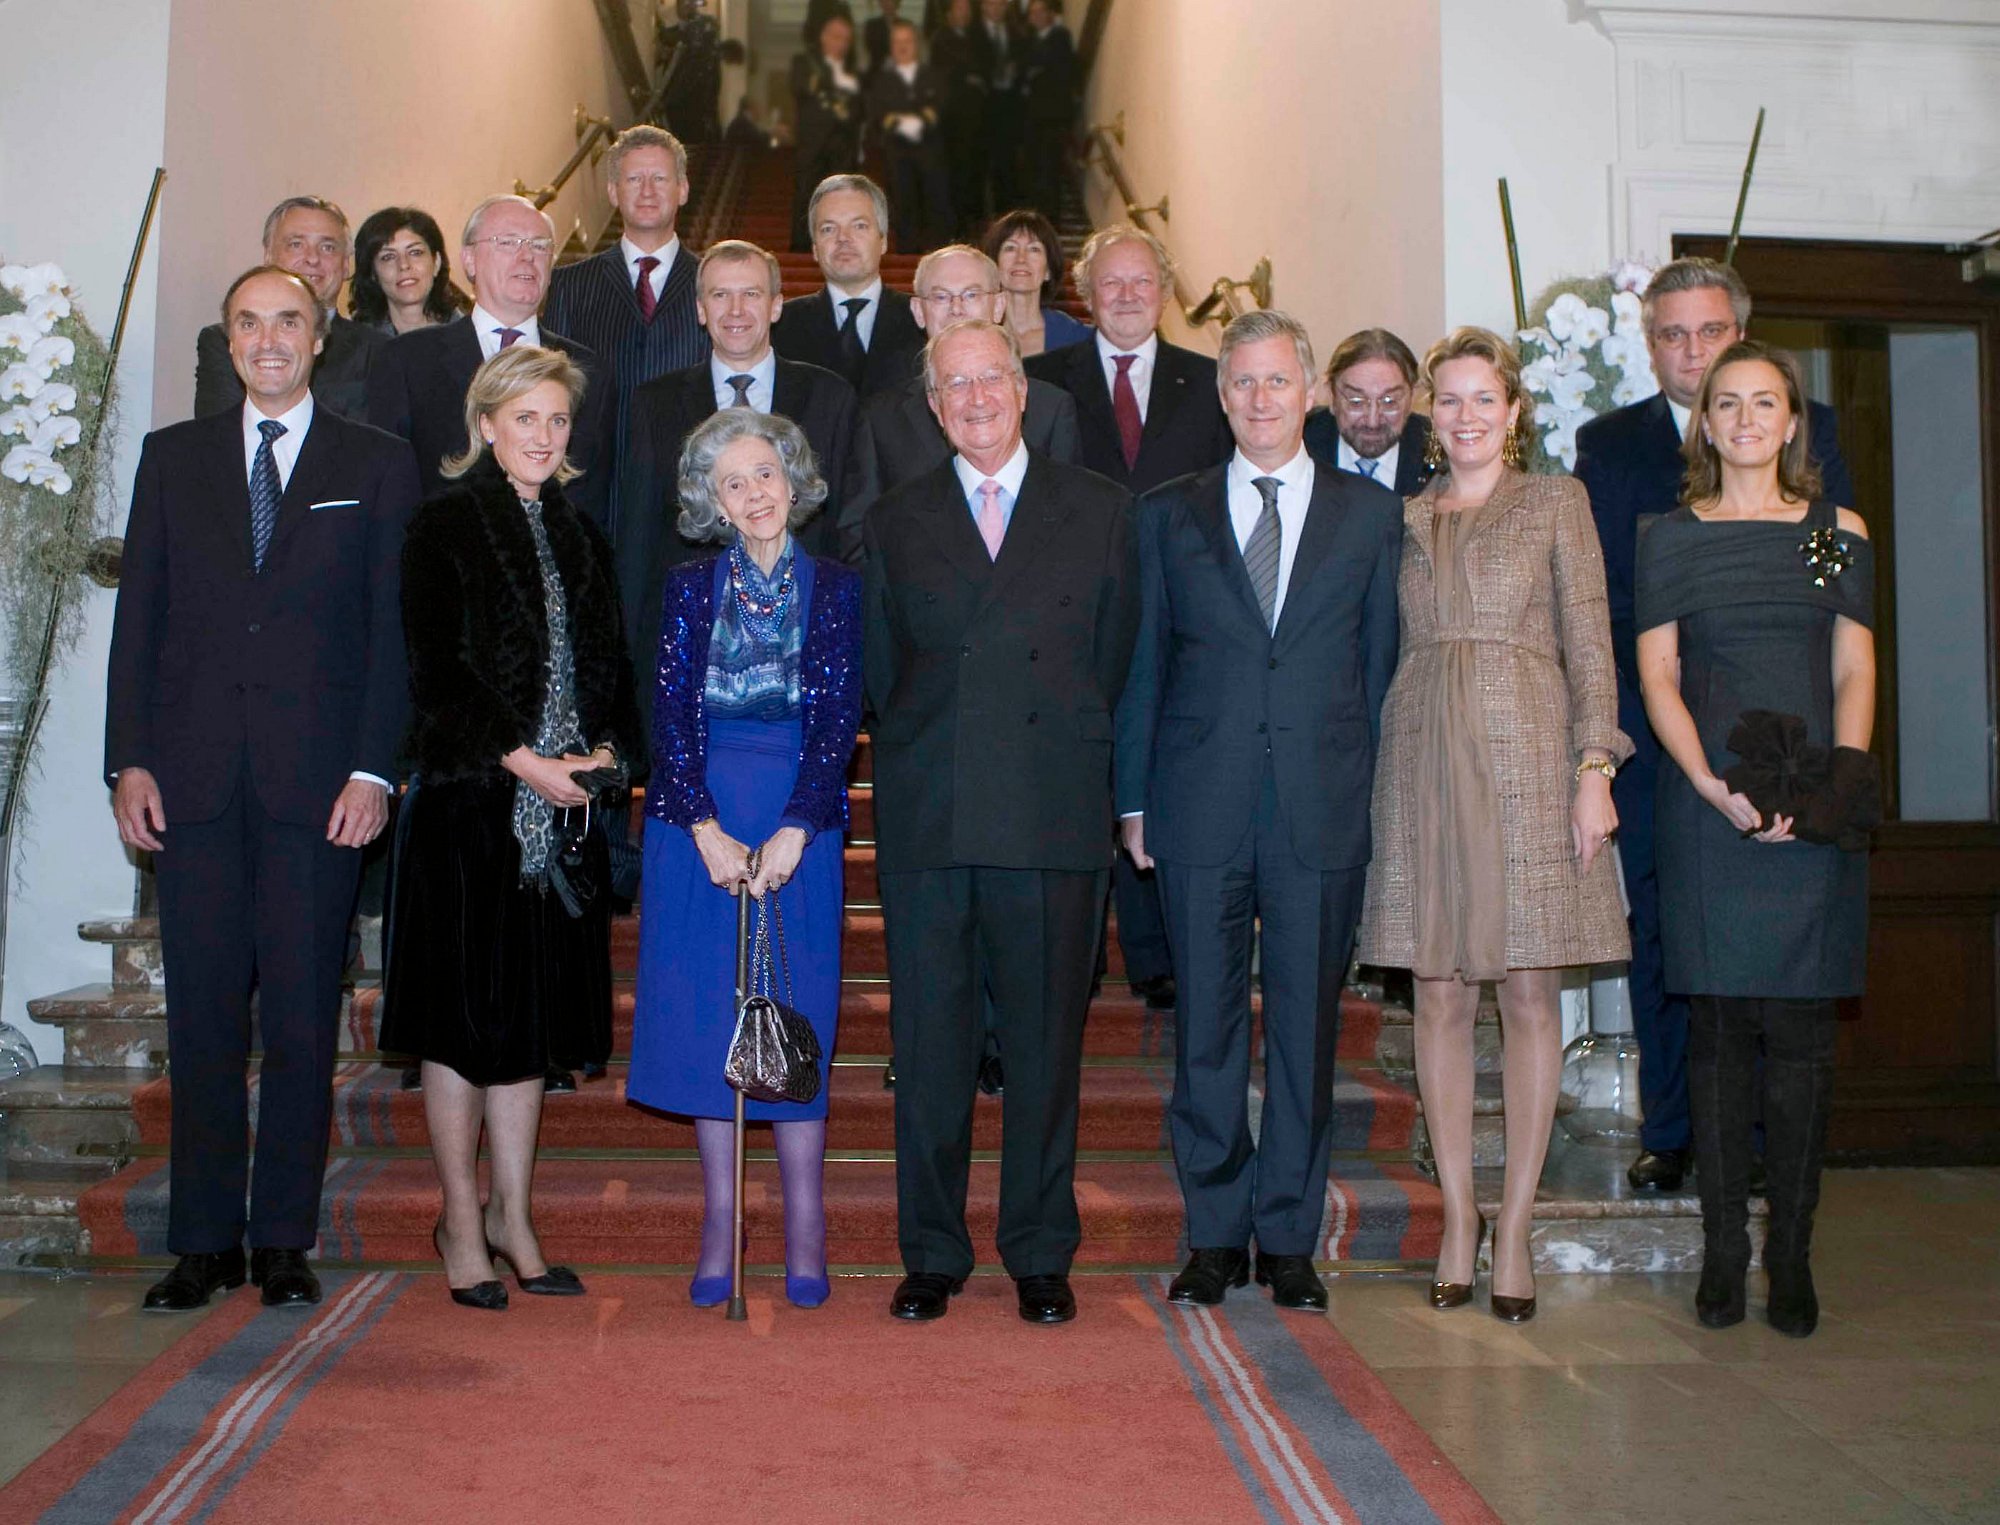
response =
{"points": [[389, 1404]]}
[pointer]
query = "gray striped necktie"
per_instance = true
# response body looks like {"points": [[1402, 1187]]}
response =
{"points": [[741, 382], [1260, 554], [265, 490]]}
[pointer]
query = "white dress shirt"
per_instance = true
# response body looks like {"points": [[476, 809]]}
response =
{"points": [[1142, 368], [1009, 477], [285, 455], [1385, 463], [488, 327], [1681, 417], [864, 320], [1246, 506], [666, 254], [763, 381]]}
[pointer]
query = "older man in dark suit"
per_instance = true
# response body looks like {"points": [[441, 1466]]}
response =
{"points": [[737, 299], [999, 617], [1630, 463], [854, 326], [1246, 756], [898, 436], [256, 696], [418, 382], [1148, 412], [632, 305], [1369, 429], [308, 236]]}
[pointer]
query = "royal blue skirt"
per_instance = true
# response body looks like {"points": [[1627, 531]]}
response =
{"points": [[686, 1004]]}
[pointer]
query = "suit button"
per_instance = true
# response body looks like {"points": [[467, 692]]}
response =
{"points": [[1034, 655], [255, 628], [930, 598], [1064, 601], [1262, 727], [239, 688], [1274, 664], [965, 651], [1031, 717]]}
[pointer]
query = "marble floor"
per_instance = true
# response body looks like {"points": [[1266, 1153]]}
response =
{"points": [[1613, 1406]]}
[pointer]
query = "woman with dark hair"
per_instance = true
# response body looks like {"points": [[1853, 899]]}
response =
{"points": [[1024, 245], [499, 962], [757, 703], [402, 276], [1754, 607]]}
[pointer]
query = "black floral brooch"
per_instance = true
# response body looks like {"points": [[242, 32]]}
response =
{"points": [[1827, 553]]}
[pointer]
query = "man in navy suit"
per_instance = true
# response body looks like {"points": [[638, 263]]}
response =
{"points": [[255, 704], [1245, 761], [1369, 428], [1147, 412], [633, 304], [418, 382], [854, 326], [1630, 463]]}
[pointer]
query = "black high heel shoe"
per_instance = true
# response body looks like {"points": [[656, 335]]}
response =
{"points": [[488, 1295], [556, 1281], [1720, 1300]]}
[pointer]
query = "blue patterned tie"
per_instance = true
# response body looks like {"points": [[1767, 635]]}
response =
{"points": [[1368, 466], [265, 490]]}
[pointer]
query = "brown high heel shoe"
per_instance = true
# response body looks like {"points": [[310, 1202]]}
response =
{"points": [[1515, 1310], [1456, 1294]]}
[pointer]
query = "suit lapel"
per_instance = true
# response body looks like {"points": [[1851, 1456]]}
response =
{"points": [[1036, 518], [699, 402], [1086, 385], [1168, 392], [611, 264], [316, 458], [788, 391], [1316, 538], [1418, 518], [957, 535], [228, 469], [462, 357], [1211, 515]]}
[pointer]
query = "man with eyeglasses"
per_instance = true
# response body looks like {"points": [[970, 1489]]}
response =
{"points": [[1369, 429], [855, 326], [634, 302], [308, 236], [999, 611], [1630, 462], [1147, 411], [418, 382], [898, 436]]}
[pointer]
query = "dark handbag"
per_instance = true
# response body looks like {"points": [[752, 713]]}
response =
{"points": [[774, 1055], [1832, 797]]}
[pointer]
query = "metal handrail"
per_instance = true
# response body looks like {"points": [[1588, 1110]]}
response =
{"points": [[591, 133], [1218, 304]]}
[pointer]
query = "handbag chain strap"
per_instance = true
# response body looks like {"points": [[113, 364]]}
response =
{"points": [[767, 965]]}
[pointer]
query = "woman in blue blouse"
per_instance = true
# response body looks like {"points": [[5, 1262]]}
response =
{"points": [[757, 700], [1026, 248]]}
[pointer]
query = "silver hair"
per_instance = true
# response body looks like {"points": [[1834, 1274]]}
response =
{"points": [[929, 262], [645, 136], [980, 325], [1259, 324], [471, 234], [834, 184], [1694, 273], [741, 248], [302, 204], [701, 506], [1122, 233]]}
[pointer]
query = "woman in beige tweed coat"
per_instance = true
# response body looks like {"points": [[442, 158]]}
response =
{"points": [[1492, 792]]}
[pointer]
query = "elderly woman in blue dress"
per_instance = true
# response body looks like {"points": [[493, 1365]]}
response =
{"points": [[755, 709]]}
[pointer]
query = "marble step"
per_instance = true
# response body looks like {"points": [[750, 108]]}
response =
{"points": [[39, 1220], [62, 1114], [1398, 1050], [1489, 1121]]}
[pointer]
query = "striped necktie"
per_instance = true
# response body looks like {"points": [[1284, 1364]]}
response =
{"points": [[1260, 553], [265, 490]]}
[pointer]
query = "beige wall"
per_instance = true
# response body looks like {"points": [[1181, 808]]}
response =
{"points": [[1309, 132], [380, 102]]}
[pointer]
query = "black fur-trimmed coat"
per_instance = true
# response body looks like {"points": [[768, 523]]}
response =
{"points": [[477, 629]]}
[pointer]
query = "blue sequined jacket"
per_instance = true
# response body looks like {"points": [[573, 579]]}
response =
{"points": [[829, 694]]}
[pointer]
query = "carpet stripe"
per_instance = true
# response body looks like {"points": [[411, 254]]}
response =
{"points": [[1377, 1488], [239, 1421], [1170, 1325]]}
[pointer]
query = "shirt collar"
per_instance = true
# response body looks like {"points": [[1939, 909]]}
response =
{"points": [[1008, 476], [666, 254], [1297, 472], [296, 419], [1681, 417], [872, 292], [484, 323], [908, 72], [765, 370], [1147, 352], [1347, 458]]}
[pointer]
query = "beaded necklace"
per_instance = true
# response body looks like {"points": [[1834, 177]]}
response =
{"points": [[763, 615]]}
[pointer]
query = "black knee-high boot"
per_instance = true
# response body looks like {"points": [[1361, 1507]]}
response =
{"points": [[1799, 1038], [1722, 1059]]}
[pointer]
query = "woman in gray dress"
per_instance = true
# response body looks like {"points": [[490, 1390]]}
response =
{"points": [[1754, 596]]}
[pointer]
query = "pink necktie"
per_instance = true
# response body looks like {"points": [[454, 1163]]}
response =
{"points": [[992, 528]]}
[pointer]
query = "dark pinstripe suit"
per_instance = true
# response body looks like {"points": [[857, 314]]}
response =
{"points": [[593, 302]]}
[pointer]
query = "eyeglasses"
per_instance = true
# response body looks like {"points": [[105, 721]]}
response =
{"points": [[969, 298], [510, 246], [1677, 337], [960, 386], [1388, 405]]}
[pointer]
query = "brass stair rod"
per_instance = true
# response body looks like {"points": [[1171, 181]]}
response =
{"points": [[592, 132]]}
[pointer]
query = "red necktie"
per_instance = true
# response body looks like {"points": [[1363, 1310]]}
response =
{"points": [[644, 290], [508, 336], [1125, 408]]}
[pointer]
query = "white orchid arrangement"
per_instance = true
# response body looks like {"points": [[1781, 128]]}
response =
{"points": [[54, 393], [1584, 354]]}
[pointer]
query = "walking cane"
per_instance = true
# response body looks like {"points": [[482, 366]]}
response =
{"points": [[737, 1312]]}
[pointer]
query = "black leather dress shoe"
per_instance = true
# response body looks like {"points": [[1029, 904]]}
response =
{"points": [[1158, 993], [194, 1277], [593, 1071], [924, 1295], [1045, 1299], [1207, 1277], [992, 1078], [1292, 1280], [1659, 1170], [287, 1280], [558, 1083]]}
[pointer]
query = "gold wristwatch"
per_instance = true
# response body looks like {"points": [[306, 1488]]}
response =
{"points": [[1602, 765]]}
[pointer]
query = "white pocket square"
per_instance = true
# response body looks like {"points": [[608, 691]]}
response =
{"points": [[336, 503]]}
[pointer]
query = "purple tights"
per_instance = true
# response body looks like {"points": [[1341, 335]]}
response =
{"points": [[801, 1165]]}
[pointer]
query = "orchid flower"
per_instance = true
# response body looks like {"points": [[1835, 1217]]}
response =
{"points": [[20, 380], [56, 433], [51, 354], [47, 309], [54, 397], [29, 281], [18, 420], [18, 331], [1634, 386]]}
